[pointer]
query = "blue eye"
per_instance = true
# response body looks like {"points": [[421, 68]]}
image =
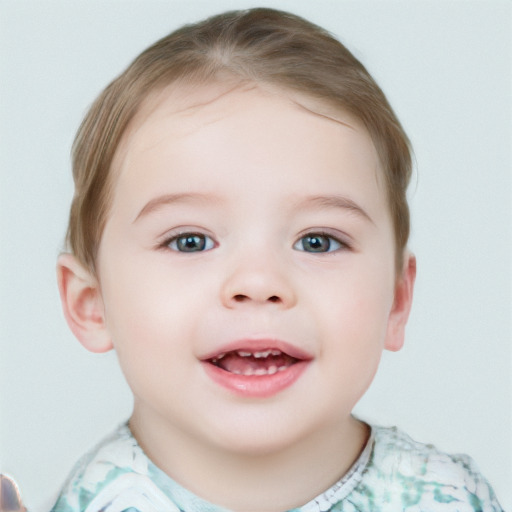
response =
{"points": [[317, 242], [190, 242]]}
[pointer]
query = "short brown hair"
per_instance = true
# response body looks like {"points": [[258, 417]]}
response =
{"points": [[260, 45]]}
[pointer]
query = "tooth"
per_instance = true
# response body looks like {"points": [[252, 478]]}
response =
{"points": [[275, 352], [242, 353], [272, 369], [220, 356], [248, 371], [260, 371], [282, 368], [265, 353], [237, 372]]}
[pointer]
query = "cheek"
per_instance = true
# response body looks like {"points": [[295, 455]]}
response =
{"points": [[362, 289], [149, 333], [150, 311], [355, 312], [354, 335]]}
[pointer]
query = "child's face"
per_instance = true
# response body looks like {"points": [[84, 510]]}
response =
{"points": [[243, 223]]}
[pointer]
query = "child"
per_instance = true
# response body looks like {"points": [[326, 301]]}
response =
{"points": [[238, 234]]}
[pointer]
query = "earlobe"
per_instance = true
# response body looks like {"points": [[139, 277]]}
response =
{"points": [[401, 305], [82, 304]]}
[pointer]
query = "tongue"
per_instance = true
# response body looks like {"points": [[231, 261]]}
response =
{"points": [[234, 363]]}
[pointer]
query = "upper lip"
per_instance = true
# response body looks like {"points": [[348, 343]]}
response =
{"points": [[259, 345]]}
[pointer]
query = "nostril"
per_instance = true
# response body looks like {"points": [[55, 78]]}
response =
{"points": [[242, 298]]}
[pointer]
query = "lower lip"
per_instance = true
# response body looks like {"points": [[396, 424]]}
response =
{"points": [[256, 386]]}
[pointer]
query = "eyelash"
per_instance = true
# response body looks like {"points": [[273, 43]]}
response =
{"points": [[327, 237], [172, 242], [325, 242]]}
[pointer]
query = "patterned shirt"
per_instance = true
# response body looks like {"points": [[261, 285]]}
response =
{"points": [[392, 474]]}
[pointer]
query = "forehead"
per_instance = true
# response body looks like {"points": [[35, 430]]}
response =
{"points": [[185, 107], [245, 127]]}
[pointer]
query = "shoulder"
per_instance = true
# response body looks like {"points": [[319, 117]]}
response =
{"points": [[418, 477], [116, 465]]}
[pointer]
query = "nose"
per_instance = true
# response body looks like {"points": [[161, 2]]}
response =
{"points": [[257, 281]]}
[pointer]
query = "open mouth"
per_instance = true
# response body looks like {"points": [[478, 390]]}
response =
{"points": [[248, 363], [257, 368]]}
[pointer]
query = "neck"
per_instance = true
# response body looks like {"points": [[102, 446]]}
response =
{"points": [[273, 481]]}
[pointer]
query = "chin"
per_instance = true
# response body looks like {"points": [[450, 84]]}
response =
{"points": [[260, 434], [260, 446]]}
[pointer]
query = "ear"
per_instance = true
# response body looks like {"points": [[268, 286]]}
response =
{"points": [[82, 304], [402, 303]]}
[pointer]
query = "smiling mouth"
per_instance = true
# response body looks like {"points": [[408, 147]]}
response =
{"points": [[248, 363]]}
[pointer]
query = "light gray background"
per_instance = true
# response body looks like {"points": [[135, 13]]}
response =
{"points": [[446, 68]]}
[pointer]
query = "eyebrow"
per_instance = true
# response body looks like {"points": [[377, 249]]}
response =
{"points": [[168, 199], [333, 201], [321, 201]]}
